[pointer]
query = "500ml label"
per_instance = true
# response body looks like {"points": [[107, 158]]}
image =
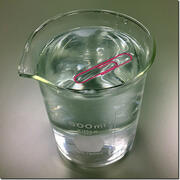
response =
{"points": [[87, 126], [87, 129]]}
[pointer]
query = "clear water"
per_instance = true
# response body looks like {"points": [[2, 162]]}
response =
{"points": [[92, 128]]}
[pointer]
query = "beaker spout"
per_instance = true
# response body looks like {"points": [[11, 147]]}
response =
{"points": [[28, 66]]}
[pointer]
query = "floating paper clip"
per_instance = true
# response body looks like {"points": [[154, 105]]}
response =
{"points": [[101, 65]]}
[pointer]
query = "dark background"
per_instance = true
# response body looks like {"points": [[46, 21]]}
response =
{"points": [[27, 145]]}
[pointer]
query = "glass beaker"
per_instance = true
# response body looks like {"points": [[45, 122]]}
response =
{"points": [[91, 66]]}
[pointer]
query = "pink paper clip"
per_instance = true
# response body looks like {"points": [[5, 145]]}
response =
{"points": [[101, 65]]}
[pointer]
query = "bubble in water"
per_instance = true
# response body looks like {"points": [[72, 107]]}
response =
{"points": [[125, 21]]}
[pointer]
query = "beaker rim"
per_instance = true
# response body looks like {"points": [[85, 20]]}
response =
{"points": [[131, 81]]}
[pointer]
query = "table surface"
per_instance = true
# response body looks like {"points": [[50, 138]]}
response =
{"points": [[27, 145]]}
